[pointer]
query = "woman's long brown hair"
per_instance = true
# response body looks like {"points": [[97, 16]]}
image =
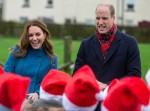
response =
{"points": [[24, 41]]}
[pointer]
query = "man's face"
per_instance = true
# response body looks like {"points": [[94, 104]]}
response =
{"points": [[104, 20]]}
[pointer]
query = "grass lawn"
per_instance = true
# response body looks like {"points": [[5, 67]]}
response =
{"points": [[6, 43], [145, 57]]}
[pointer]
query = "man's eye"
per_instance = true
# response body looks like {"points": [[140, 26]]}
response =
{"points": [[97, 18], [105, 18]]}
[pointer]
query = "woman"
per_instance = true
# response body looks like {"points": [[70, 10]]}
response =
{"points": [[33, 56]]}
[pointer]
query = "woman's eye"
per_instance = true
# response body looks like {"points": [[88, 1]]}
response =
{"points": [[30, 35], [37, 34]]}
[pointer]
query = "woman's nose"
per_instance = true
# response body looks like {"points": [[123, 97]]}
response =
{"points": [[34, 37]]}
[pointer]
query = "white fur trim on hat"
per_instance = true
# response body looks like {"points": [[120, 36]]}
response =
{"points": [[103, 108], [145, 108], [69, 106], [3, 108], [147, 78], [47, 96]]}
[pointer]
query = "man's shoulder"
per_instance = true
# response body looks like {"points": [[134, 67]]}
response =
{"points": [[90, 38], [124, 35]]}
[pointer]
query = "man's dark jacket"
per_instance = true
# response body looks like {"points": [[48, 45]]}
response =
{"points": [[122, 59]]}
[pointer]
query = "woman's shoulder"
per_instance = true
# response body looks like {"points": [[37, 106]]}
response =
{"points": [[16, 48], [54, 61], [54, 57]]}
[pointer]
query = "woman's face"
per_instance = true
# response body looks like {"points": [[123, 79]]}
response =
{"points": [[36, 37]]}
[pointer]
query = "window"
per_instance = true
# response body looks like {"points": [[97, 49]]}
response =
{"points": [[90, 22], [25, 3], [67, 21], [130, 7], [129, 22], [23, 19], [49, 4], [46, 20]]}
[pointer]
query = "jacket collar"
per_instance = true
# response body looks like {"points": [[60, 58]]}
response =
{"points": [[114, 45]]}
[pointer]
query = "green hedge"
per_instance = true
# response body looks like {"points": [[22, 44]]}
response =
{"points": [[141, 33], [77, 31]]}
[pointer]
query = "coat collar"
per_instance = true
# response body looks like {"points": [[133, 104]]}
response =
{"points": [[114, 45], [36, 52]]}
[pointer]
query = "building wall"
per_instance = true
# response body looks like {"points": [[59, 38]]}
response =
{"points": [[80, 11], [35, 10], [140, 13]]}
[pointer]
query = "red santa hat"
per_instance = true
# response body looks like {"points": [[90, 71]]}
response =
{"points": [[13, 89], [86, 70], [112, 83], [126, 95], [102, 95], [1, 70], [53, 85], [80, 92]]}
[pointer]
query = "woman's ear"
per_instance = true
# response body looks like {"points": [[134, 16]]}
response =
{"points": [[44, 37], [45, 34]]}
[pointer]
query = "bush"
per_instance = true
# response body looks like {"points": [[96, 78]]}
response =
{"points": [[77, 31]]}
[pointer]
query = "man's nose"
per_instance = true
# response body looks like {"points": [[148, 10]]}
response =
{"points": [[100, 21]]}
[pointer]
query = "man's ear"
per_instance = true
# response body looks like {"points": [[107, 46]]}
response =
{"points": [[114, 18]]}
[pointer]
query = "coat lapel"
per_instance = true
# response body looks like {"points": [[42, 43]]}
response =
{"points": [[96, 46], [115, 44]]}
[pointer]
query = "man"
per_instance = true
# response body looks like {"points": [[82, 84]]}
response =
{"points": [[109, 52]]}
